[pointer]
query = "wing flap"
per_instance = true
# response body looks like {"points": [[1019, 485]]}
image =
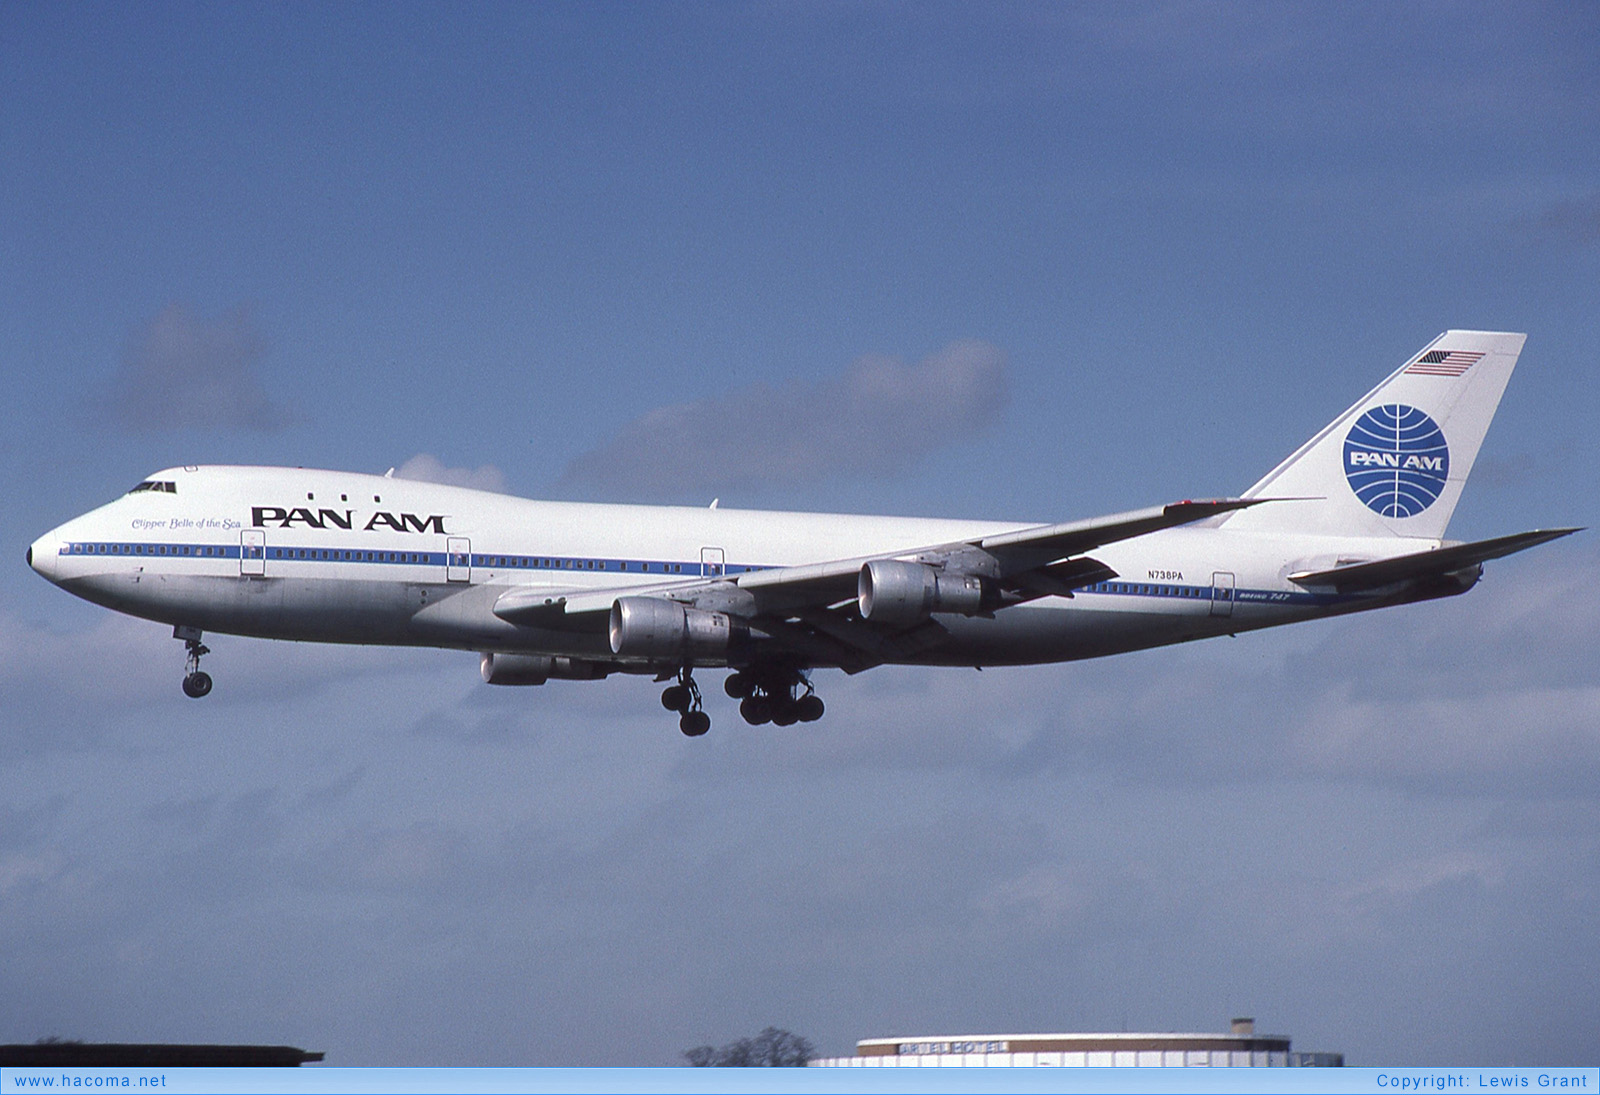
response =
{"points": [[542, 606], [1061, 579]]}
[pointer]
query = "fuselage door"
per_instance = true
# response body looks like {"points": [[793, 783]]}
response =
{"points": [[711, 564], [1222, 593], [252, 552], [458, 559]]}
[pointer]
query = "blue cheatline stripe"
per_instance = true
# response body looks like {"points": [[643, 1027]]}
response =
{"points": [[664, 567], [1208, 594], [276, 553]]}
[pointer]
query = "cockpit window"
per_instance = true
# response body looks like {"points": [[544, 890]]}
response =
{"points": [[150, 484]]}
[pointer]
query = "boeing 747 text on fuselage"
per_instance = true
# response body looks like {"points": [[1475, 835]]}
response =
{"points": [[1352, 520]]}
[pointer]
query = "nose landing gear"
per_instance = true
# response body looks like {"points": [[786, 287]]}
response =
{"points": [[684, 698], [195, 683]]}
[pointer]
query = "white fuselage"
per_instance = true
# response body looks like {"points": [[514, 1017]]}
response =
{"points": [[342, 557]]}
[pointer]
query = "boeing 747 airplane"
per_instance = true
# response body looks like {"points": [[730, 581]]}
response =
{"points": [[1353, 520]]}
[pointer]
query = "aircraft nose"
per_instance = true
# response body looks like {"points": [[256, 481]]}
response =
{"points": [[43, 554]]}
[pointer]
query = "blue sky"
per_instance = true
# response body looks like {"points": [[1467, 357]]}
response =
{"points": [[1019, 261]]}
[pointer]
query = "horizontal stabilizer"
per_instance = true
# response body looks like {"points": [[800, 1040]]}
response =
{"points": [[1425, 564]]}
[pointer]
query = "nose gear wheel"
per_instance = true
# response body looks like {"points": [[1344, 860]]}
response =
{"points": [[196, 683]]}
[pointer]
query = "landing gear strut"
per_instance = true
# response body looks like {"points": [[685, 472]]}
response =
{"points": [[195, 683], [781, 696], [684, 698]]}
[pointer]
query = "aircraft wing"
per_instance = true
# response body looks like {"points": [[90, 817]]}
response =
{"points": [[1425, 564], [1028, 563], [1004, 556], [1061, 541]]}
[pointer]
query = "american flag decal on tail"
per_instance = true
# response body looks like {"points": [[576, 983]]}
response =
{"points": [[1444, 362]]}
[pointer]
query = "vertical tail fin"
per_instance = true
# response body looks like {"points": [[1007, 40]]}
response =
{"points": [[1394, 464]]}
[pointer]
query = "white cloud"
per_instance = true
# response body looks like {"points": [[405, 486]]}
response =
{"points": [[182, 372], [1534, 737], [880, 416], [85, 689], [430, 469]]}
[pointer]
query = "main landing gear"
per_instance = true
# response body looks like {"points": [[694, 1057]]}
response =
{"points": [[684, 698], [782, 697], [195, 683]]}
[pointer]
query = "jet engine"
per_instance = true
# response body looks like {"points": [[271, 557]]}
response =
{"points": [[537, 668], [898, 593], [651, 627]]}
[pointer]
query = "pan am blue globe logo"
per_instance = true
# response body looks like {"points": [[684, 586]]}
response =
{"points": [[1396, 460]]}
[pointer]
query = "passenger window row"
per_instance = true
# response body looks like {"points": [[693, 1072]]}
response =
{"points": [[193, 550], [1139, 589]]}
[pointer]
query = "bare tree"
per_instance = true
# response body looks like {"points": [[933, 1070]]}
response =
{"points": [[772, 1048], [700, 1056]]}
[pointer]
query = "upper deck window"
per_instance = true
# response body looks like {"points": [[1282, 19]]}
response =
{"points": [[150, 484]]}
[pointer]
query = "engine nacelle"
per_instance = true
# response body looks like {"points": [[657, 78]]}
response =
{"points": [[897, 593], [651, 627], [537, 668]]}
